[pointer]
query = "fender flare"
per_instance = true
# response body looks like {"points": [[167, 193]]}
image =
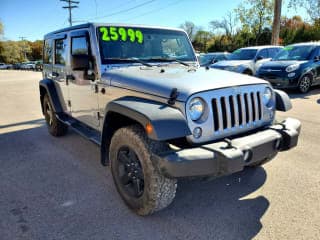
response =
{"points": [[50, 88], [309, 72], [167, 122], [283, 102]]}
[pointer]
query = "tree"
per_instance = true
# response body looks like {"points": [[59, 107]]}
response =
{"points": [[1, 28], [201, 40], [255, 15], [311, 6], [276, 22], [190, 28], [36, 50], [227, 24]]}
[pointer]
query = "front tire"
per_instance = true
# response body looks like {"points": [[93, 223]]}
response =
{"points": [[55, 126], [139, 184], [304, 84]]}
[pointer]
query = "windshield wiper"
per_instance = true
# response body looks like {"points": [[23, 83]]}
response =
{"points": [[133, 59], [169, 60]]}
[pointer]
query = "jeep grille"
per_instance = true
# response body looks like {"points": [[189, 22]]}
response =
{"points": [[231, 111], [235, 110]]}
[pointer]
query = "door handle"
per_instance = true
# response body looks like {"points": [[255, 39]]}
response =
{"points": [[53, 75]]}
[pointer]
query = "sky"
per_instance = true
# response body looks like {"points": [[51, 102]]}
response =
{"points": [[34, 18]]}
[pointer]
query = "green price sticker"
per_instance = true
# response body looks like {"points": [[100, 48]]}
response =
{"points": [[288, 48], [121, 34]]}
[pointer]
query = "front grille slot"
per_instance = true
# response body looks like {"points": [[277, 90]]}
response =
{"points": [[236, 110]]}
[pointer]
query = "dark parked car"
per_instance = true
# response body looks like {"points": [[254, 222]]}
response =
{"points": [[17, 66], [296, 66], [210, 58]]}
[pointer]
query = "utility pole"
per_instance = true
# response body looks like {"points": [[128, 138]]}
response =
{"points": [[23, 47], [70, 7], [276, 22]]}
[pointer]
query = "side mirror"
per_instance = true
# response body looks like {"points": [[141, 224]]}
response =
{"points": [[259, 58], [317, 58], [80, 62]]}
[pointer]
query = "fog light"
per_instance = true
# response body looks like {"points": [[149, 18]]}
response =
{"points": [[291, 74], [197, 132]]}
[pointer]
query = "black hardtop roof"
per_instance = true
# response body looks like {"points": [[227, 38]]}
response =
{"points": [[88, 25], [85, 25]]}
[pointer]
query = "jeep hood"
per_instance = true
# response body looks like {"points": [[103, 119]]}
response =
{"points": [[160, 81]]}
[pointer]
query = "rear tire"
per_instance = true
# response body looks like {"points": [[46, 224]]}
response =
{"points": [[304, 84], [138, 182], [55, 126]]}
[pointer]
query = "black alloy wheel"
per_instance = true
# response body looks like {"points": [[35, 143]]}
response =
{"points": [[130, 172]]}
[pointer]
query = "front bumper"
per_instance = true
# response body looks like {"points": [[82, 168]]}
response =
{"points": [[224, 158], [280, 81]]}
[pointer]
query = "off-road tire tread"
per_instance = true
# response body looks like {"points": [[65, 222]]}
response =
{"points": [[161, 191], [57, 128]]}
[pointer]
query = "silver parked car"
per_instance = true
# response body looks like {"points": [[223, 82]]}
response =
{"points": [[212, 57], [5, 66], [247, 60], [28, 66], [139, 94]]}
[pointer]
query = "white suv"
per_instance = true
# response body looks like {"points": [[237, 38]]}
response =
{"points": [[248, 60]]}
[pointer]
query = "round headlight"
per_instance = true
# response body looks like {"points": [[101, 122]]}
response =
{"points": [[267, 96], [196, 108], [292, 67]]}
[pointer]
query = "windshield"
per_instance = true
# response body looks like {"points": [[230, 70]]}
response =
{"points": [[299, 53], [243, 54], [124, 44]]}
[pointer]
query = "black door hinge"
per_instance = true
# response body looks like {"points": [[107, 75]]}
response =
{"points": [[69, 103], [96, 88], [98, 115]]}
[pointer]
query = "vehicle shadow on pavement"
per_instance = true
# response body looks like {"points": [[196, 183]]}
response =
{"points": [[294, 94], [56, 188], [31, 122], [215, 210]]}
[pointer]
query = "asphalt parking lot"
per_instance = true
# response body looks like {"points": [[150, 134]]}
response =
{"points": [[55, 188]]}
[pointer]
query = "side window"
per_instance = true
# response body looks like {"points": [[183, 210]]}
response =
{"points": [[47, 51], [60, 51], [79, 46], [273, 52], [263, 53]]}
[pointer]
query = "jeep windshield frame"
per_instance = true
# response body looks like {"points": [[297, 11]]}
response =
{"points": [[158, 45]]}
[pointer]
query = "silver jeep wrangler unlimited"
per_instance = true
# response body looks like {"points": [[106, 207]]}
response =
{"points": [[138, 93]]}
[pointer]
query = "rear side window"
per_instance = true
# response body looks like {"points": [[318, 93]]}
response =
{"points": [[60, 51], [47, 51], [79, 46], [273, 52]]}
